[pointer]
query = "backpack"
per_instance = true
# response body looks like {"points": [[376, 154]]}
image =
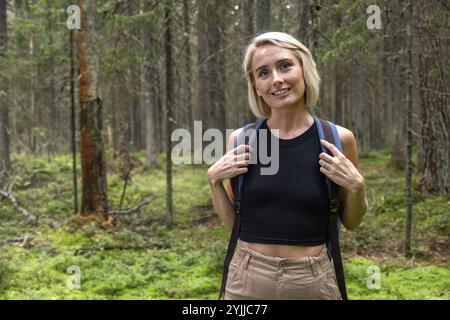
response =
{"points": [[327, 131]]}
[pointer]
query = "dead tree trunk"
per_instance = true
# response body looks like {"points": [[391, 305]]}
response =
{"points": [[93, 163]]}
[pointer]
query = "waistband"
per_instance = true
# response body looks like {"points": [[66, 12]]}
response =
{"points": [[321, 261]]}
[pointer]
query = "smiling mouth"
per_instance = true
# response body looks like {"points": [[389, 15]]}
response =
{"points": [[281, 92]]}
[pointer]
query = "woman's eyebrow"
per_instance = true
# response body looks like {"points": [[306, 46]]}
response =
{"points": [[278, 61]]}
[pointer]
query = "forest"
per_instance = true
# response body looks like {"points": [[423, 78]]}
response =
{"points": [[93, 204]]}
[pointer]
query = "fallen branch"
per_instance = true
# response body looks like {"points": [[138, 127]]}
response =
{"points": [[107, 248], [145, 201], [9, 196], [23, 240], [203, 219]]}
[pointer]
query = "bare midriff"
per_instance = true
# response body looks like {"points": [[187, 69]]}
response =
{"points": [[284, 251]]}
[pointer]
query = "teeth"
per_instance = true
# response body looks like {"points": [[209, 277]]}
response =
{"points": [[280, 92]]}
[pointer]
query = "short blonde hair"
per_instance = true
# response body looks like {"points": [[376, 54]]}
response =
{"points": [[299, 50]]}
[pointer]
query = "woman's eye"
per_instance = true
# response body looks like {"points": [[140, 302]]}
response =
{"points": [[262, 73], [285, 66]]}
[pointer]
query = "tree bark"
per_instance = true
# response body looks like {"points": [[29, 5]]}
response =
{"points": [[150, 88], [203, 97], [93, 162], [73, 125], [187, 66], [5, 161], [169, 95], [434, 99], [398, 151], [409, 142], [263, 16], [304, 16], [245, 114], [387, 77], [358, 104], [216, 63]]}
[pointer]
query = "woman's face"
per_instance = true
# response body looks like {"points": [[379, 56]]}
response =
{"points": [[278, 77]]}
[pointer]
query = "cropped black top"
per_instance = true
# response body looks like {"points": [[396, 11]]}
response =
{"points": [[292, 206]]}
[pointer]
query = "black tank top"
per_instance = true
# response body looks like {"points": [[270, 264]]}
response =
{"points": [[292, 206]]}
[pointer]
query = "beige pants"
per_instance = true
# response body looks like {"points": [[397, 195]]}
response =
{"points": [[253, 275]]}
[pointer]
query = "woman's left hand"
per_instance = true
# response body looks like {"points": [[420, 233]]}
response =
{"points": [[339, 169]]}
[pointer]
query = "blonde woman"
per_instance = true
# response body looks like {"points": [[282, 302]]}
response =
{"points": [[281, 251]]}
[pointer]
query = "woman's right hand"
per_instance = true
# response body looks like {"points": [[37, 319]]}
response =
{"points": [[233, 163]]}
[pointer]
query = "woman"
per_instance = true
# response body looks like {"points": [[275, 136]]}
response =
{"points": [[281, 253]]}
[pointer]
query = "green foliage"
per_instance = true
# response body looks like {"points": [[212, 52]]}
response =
{"points": [[396, 282], [140, 258]]}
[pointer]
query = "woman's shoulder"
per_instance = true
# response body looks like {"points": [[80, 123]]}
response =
{"points": [[346, 135], [348, 142], [233, 137]]}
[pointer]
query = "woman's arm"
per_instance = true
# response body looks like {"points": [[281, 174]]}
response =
{"points": [[342, 169], [233, 163]]}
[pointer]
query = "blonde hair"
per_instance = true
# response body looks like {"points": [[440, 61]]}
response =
{"points": [[283, 40]]}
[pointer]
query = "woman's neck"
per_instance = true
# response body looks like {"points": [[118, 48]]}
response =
{"points": [[290, 123]]}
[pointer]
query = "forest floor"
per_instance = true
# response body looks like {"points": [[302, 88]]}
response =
{"points": [[138, 257]]}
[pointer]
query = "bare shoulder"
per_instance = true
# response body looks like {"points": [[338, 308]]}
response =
{"points": [[347, 136], [348, 141], [232, 138]]}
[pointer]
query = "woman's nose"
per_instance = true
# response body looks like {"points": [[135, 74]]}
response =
{"points": [[276, 77]]}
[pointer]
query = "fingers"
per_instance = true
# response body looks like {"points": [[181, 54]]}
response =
{"points": [[335, 151], [240, 155], [323, 164], [241, 160], [326, 172], [326, 157], [242, 170], [242, 148]]}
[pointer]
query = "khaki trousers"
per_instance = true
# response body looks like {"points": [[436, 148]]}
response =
{"points": [[253, 275]]}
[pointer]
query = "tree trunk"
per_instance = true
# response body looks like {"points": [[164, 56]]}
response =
{"points": [[409, 142], [169, 95], [249, 14], [5, 162], [53, 114], [73, 125], [33, 112], [387, 77], [304, 15], [216, 65], [114, 120], [93, 163], [245, 114], [187, 66], [263, 16], [338, 80], [150, 88], [313, 37], [434, 100], [398, 151], [358, 104], [203, 97]]}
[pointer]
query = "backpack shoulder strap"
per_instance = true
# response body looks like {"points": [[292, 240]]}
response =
{"points": [[328, 131], [247, 136]]}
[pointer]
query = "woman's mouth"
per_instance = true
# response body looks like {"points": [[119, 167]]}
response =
{"points": [[281, 92]]}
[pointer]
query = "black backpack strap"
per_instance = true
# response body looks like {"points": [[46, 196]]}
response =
{"points": [[236, 185], [328, 132]]}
